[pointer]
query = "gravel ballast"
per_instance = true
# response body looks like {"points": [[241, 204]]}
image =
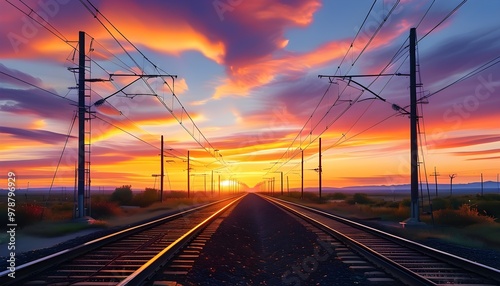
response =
{"points": [[258, 244]]}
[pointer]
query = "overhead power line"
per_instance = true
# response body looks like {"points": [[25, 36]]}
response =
{"points": [[443, 20], [195, 132], [44, 22], [37, 87], [31, 13]]}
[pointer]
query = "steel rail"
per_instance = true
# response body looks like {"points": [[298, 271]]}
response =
{"points": [[410, 276], [36, 266], [150, 268]]}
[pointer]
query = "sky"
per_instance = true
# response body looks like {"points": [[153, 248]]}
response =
{"points": [[239, 89]]}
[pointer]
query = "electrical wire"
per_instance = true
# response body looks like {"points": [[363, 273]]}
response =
{"points": [[375, 33], [470, 74], [60, 36], [425, 14], [60, 159], [444, 19], [355, 37], [37, 87], [395, 58], [74, 102], [95, 12], [322, 98], [55, 32], [136, 137]]}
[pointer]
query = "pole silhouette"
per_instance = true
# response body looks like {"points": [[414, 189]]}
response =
{"points": [[302, 175], [188, 168], [320, 169], [81, 125], [162, 172], [452, 176], [435, 174], [413, 127]]}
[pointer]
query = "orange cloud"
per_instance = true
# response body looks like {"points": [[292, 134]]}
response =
{"points": [[265, 10], [167, 31], [479, 152], [243, 79], [465, 141]]}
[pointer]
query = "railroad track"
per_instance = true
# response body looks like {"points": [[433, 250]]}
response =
{"points": [[127, 257], [163, 252], [408, 262]]}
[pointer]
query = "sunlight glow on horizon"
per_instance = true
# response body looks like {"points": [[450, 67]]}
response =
{"points": [[249, 80]]}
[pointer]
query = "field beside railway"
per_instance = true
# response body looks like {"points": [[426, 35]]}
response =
{"points": [[41, 216], [468, 220]]}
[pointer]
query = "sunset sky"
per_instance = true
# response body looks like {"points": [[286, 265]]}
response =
{"points": [[247, 76]]}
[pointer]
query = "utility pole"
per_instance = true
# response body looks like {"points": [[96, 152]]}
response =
{"points": [[452, 176], [212, 184], [435, 174], [281, 182], [414, 205], [320, 169], [274, 181], [287, 186], [162, 172], [482, 185], [75, 190], [188, 168], [413, 128], [81, 125], [302, 175], [205, 182], [219, 185]]}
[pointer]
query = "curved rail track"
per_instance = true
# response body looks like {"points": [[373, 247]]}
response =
{"points": [[126, 257], [404, 260]]}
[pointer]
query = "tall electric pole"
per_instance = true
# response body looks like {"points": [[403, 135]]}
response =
{"points": [[320, 169], [81, 125], [302, 175], [281, 182], [162, 172], [414, 209], [188, 168], [212, 184], [414, 204]]}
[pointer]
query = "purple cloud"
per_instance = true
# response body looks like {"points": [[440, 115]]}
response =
{"points": [[42, 136]]}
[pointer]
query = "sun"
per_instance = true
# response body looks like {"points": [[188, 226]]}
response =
{"points": [[226, 183]]}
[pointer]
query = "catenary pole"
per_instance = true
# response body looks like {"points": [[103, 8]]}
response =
{"points": [[414, 209], [81, 124]]}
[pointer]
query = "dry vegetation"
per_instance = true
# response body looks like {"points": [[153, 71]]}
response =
{"points": [[469, 220], [41, 215]]}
